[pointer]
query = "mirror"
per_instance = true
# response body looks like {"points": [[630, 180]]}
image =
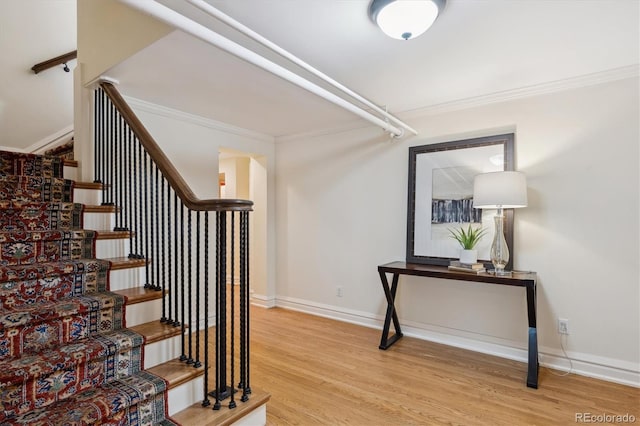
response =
{"points": [[441, 197]]}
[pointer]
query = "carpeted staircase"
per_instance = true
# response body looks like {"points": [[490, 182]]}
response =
{"points": [[66, 356]]}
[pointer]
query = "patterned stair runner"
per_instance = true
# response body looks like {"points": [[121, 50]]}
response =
{"points": [[66, 357], [64, 151], [17, 215], [29, 188]]}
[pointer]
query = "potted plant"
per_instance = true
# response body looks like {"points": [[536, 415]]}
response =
{"points": [[468, 239]]}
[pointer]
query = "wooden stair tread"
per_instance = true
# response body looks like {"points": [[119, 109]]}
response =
{"points": [[125, 263], [112, 235], [100, 209], [70, 163], [205, 416], [176, 372], [139, 294], [155, 331], [87, 185]]}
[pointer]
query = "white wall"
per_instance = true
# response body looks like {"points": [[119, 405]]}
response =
{"points": [[108, 33], [262, 224], [341, 211]]}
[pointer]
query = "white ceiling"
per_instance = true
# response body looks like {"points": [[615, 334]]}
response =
{"points": [[475, 48]]}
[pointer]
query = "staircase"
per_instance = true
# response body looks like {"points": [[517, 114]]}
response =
{"points": [[115, 302], [77, 329]]}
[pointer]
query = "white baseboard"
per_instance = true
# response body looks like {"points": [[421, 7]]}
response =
{"points": [[583, 364], [263, 301], [51, 141]]}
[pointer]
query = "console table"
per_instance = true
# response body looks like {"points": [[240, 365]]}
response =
{"points": [[519, 279]]}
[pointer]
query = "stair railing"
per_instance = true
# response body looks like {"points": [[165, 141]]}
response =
{"points": [[50, 63], [169, 227]]}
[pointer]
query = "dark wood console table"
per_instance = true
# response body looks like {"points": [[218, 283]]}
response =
{"points": [[519, 279]]}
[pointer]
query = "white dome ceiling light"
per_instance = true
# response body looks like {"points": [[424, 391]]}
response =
{"points": [[405, 19]]}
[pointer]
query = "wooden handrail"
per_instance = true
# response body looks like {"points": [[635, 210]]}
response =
{"points": [[62, 59], [172, 175]]}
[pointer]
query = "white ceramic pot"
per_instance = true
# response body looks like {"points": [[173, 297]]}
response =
{"points": [[468, 256]]}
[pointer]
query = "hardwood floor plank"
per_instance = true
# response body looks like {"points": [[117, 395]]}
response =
{"points": [[320, 372]]}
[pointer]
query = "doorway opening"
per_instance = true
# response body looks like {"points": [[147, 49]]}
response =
{"points": [[243, 175]]}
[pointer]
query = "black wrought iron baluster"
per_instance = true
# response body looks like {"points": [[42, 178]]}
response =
{"points": [[130, 199], [166, 298], [163, 249], [177, 295], [103, 142], [107, 151], [220, 253], [242, 312], [103, 148], [139, 194], [112, 154], [243, 306], [116, 166], [98, 97], [221, 345], [122, 206], [153, 219], [232, 403], [146, 223], [205, 401], [105, 157], [183, 356], [106, 126], [157, 235], [196, 362], [119, 180], [248, 381], [189, 287]]}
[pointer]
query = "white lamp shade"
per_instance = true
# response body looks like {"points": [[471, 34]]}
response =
{"points": [[405, 19], [500, 190]]}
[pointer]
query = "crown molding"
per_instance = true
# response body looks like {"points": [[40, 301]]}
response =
{"points": [[615, 74], [196, 119], [347, 127], [577, 82]]}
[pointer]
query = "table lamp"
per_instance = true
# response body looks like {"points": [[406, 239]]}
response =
{"points": [[500, 190]]}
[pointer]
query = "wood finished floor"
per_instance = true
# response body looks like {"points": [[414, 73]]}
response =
{"points": [[325, 372]]}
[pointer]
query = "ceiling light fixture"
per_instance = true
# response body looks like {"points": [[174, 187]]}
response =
{"points": [[405, 19]]}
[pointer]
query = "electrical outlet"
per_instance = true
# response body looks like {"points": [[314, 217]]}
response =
{"points": [[563, 326], [339, 291]]}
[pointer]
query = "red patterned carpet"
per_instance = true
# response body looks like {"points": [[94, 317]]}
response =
{"points": [[66, 357]]}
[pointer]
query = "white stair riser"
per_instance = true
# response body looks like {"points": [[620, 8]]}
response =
{"points": [[99, 221], [185, 395], [121, 279], [144, 312], [257, 417], [112, 248], [70, 173], [162, 351], [92, 197]]}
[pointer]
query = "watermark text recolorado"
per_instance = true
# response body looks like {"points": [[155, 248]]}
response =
{"points": [[605, 418]]}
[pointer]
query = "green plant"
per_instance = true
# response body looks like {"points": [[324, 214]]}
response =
{"points": [[469, 238]]}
